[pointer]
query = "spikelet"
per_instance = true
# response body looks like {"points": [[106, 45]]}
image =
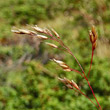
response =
{"points": [[56, 34], [74, 84], [24, 31], [63, 65], [69, 86], [47, 31], [68, 83], [94, 45], [93, 37], [38, 29], [15, 31], [62, 80], [52, 45], [67, 80], [42, 37]]}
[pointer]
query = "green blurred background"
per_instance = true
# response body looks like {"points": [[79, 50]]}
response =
{"points": [[28, 79]]}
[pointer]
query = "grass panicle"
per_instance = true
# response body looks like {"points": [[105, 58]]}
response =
{"points": [[51, 34]]}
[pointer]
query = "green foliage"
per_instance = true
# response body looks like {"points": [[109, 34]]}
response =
{"points": [[30, 11]]}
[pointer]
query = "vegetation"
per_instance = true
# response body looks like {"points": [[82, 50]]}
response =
{"points": [[28, 79]]}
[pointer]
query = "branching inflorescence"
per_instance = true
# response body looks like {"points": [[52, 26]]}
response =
{"points": [[53, 35]]}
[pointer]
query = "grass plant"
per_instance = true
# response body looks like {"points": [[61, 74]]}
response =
{"points": [[50, 34]]}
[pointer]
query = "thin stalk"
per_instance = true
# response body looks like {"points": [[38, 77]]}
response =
{"points": [[88, 98], [76, 61], [77, 72], [85, 96], [93, 94]]}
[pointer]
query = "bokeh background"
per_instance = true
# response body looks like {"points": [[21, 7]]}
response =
{"points": [[28, 79]]}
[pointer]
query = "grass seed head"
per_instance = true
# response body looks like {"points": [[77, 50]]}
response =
{"points": [[74, 84], [38, 29], [62, 80], [94, 45], [52, 45], [47, 31], [68, 83], [69, 86], [42, 37], [24, 31], [63, 65], [15, 31], [93, 37], [56, 34]]}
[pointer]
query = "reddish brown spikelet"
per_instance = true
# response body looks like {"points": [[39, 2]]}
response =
{"points": [[52, 45], [69, 86], [94, 33], [56, 34], [93, 37], [47, 31], [67, 80], [74, 84], [63, 65], [68, 83], [62, 80], [94, 45]]}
